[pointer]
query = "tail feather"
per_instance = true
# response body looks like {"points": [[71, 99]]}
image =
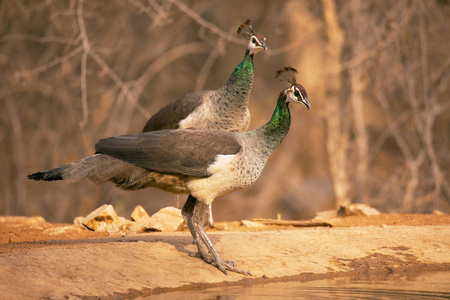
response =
{"points": [[49, 175], [99, 168]]}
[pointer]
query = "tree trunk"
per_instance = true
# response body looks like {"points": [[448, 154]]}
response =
{"points": [[337, 138], [359, 15]]}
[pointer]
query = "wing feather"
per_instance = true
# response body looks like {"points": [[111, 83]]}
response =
{"points": [[184, 151], [170, 116]]}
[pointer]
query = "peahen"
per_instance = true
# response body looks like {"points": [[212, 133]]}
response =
{"points": [[203, 163], [224, 108]]}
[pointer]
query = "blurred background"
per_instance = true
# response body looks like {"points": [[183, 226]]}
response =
{"points": [[376, 72]]}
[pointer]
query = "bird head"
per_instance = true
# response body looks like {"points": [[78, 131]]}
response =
{"points": [[256, 41], [296, 92]]}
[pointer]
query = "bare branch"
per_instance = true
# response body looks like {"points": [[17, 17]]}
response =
{"points": [[50, 64], [86, 48], [39, 39], [144, 9], [196, 17], [204, 72], [125, 89], [83, 85], [164, 60]]}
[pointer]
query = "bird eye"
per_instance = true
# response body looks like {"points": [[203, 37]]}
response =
{"points": [[297, 93], [253, 40]]}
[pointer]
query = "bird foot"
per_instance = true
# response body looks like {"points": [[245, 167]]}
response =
{"points": [[194, 216], [208, 259], [209, 225], [224, 265]]}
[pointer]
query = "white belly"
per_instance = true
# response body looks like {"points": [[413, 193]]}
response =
{"points": [[230, 173]]}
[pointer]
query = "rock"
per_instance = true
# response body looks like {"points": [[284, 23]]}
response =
{"points": [[124, 223], [103, 218], [78, 221], [61, 230], [137, 227], [166, 219], [357, 209], [251, 224], [139, 213], [326, 215]]}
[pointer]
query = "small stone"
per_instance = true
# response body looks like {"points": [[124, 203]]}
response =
{"points": [[251, 224], [325, 215], [383, 225], [124, 223], [357, 209], [166, 219], [99, 219], [139, 213], [61, 230], [79, 221], [137, 227]]}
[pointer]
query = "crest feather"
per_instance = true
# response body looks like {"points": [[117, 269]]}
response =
{"points": [[288, 74], [246, 29]]}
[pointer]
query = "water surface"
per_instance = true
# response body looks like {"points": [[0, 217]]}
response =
{"points": [[435, 285]]}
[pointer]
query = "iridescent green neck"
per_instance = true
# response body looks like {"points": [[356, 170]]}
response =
{"points": [[235, 94], [267, 138], [242, 75], [278, 126]]}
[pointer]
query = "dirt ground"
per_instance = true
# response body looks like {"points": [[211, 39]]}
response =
{"points": [[53, 261]]}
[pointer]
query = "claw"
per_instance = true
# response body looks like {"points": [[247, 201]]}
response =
{"points": [[224, 265], [193, 214]]}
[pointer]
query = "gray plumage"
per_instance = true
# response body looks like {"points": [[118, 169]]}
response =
{"points": [[224, 108], [203, 163], [188, 152]]}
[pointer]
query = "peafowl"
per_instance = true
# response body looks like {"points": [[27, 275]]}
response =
{"points": [[224, 108], [204, 163]]}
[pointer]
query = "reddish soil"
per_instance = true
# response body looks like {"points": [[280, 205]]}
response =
{"points": [[46, 260], [24, 229]]}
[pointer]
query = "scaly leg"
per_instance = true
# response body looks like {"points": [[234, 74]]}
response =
{"points": [[210, 221], [187, 213], [194, 213]]}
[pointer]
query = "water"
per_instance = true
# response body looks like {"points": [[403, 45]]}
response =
{"points": [[423, 286]]}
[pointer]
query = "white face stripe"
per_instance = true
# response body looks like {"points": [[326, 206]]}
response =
{"points": [[255, 45], [291, 95], [258, 42], [300, 92]]}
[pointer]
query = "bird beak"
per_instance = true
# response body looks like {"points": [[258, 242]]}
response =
{"points": [[263, 45], [302, 99], [305, 102]]}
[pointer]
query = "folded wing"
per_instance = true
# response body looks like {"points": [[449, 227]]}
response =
{"points": [[184, 151]]}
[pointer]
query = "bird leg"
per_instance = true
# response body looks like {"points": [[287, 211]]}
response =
{"points": [[187, 214], [210, 221], [194, 213]]}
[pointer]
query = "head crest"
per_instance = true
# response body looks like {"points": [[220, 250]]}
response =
{"points": [[288, 74], [246, 29]]}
